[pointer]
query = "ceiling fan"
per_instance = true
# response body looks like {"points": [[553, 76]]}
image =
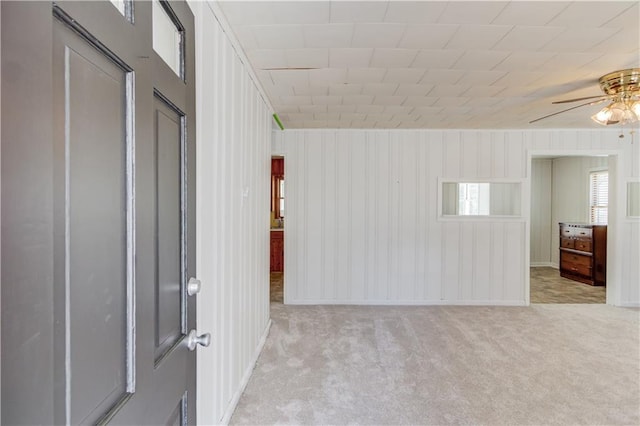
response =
{"points": [[622, 89]]}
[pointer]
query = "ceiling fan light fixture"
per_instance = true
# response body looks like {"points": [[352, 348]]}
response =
{"points": [[604, 116]]}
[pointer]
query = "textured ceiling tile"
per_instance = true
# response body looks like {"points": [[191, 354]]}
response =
{"points": [[471, 12], [418, 12], [521, 78], [370, 109], [429, 59], [482, 102], [403, 75], [279, 37], [624, 41], [345, 89], [379, 89], [352, 116], [286, 109], [307, 12], [567, 61], [448, 90], [590, 14], [433, 36], [290, 77], [393, 58], [442, 76], [524, 60], [389, 100], [477, 36], [357, 11], [310, 90], [341, 108], [376, 117], [326, 116], [377, 35], [248, 13], [413, 89], [398, 109], [267, 58], [528, 38], [329, 35], [482, 78], [312, 109], [480, 60], [388, 124], [296, 100], [529, 12], [449, 101], [307, 58], [405, 117], [326, 100], [357, 99], [365, 75], [482, 91], [350, 57], [426, 111], [327, 76], [419, 101], [579, 39]]}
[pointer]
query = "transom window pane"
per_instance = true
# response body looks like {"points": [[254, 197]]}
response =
{"points": [[167, 37]]}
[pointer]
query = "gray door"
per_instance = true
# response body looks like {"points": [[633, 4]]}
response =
{"points": [[96, 304]]}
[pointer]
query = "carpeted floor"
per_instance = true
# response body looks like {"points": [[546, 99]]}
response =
{"points": [[544, 364], [547, 286]]}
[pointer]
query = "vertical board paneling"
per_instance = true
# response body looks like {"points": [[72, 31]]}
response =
{"points": [[233, 168], [380, 239]]}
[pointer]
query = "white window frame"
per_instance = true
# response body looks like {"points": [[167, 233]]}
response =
{"points": [[591, 206]]}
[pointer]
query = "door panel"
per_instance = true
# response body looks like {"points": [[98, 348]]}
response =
{"points": [[114, 172], [169, 213], [95, 229]]}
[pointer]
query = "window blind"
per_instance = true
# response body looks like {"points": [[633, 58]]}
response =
{"points": [[599, 196]]}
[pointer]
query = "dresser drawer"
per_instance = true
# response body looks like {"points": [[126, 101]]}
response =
{"points": [[575, 231], [575, 268], [567, 242], [582, 245], [576, 259]]}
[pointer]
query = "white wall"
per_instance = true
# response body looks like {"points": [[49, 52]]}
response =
{"points": [[570, 194], [540, 242], [362, 222], [234, 136]]}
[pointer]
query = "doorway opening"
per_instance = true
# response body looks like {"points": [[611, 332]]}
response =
{"points": [[568, 229], [277, 230]]}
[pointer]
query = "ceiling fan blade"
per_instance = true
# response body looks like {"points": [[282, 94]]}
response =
{"points": [[581, 99], [569, 109]]}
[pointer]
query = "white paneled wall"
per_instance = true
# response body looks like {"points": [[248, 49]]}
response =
{"points": [[362, 223], [234, 152], [541, 212]]}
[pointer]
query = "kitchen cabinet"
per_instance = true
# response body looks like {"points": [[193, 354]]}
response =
{"points": [[277, 251]]}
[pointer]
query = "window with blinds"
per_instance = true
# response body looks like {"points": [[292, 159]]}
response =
{"points": [[599, 196]]}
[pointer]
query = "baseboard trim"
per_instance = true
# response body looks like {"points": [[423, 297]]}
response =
{"points": [[245, 378], [411, 302]]}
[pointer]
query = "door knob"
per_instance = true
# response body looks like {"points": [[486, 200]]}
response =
{"points": [[194, 340], [193, 286]]}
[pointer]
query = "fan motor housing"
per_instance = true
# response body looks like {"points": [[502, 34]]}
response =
{"points": [[621, 81]]}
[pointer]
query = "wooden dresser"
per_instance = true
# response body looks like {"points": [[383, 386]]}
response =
{"points": [[583, 253]]}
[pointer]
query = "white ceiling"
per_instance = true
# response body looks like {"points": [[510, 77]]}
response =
{"points": [[431, 64]]}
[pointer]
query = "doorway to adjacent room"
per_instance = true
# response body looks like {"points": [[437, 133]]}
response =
{"points": [[277, 230]]}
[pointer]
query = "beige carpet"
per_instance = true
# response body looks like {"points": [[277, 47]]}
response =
{"points": [[545, 364]]}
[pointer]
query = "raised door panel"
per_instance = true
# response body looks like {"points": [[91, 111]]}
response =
{"points": [[94, 262]]}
